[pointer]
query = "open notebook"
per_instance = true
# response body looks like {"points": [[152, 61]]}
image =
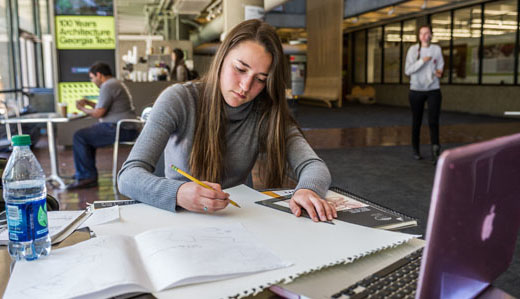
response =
{"points": [[61, 225], [149, 262]]}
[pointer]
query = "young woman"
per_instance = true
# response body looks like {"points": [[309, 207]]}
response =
{"points": [[179, 72], [424, 65], [217, 128]]}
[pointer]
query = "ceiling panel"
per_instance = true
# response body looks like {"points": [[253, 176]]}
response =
{"points": [[394, 11]]}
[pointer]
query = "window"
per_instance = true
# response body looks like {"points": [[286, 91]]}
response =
{"points": [[44, 16], [360, 57], [466, 42], [26, 15], [374, 55], [481, 40], [5, 68], [441, 27], [409, 39], [392, 54], [498, 59]]}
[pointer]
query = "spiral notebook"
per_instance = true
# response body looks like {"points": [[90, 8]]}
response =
{"points": [[354, 209]]}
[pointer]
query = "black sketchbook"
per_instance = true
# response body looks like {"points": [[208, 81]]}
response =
{"points": [[354, 209]]}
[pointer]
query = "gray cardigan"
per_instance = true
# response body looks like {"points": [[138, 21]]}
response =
{"points": [[170, 128]]}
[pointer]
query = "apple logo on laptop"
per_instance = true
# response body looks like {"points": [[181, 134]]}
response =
{"points": [[487, 225]]}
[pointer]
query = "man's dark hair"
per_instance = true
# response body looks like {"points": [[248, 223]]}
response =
{"points": [[179, 54], [100, 67]]}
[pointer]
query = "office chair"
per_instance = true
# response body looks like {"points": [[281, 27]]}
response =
{"points": [[140, 120]]}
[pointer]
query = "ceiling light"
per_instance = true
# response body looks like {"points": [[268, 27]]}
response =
{"points": [[425, 4]]}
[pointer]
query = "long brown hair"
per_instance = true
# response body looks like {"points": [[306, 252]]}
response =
{"points": [[206, 158]]}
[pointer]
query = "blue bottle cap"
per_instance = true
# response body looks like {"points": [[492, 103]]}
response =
{"points": [[21, 140]]}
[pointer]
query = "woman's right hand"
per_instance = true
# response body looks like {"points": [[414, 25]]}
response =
{"points": [[195, 198], [427, 58]]}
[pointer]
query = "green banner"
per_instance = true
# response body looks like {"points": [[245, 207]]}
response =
{"points": [[85, 32]]}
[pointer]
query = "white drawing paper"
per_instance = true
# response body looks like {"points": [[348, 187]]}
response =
{"points": [[149, 262]]}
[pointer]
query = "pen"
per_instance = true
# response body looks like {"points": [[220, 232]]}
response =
{"points": [[199, 182]]}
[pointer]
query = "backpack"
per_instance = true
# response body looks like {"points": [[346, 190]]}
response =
{"points": [[192, 74]]}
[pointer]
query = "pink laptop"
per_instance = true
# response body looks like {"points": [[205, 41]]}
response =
{"points": [[474, 219]]}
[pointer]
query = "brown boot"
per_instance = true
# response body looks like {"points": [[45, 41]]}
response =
{"points": [[82, 184]]}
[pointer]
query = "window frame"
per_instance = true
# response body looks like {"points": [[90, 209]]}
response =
{"points": [[516, 79]]}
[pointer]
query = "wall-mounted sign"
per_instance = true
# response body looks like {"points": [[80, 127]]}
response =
{"points": [[85, 32]]}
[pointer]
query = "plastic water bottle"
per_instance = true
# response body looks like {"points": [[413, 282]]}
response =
{"points": [[25, 196]]}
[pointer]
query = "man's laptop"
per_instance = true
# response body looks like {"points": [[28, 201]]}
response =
{"points": [[471, 233]]}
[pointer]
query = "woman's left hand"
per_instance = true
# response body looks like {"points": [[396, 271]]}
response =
{"points": [[317, 208]]}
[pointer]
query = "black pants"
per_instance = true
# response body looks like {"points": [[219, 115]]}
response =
{"points": [[417, 99]]}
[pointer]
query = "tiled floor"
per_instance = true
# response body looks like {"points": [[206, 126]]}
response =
{"points": [[319, 139], [78, 199]]}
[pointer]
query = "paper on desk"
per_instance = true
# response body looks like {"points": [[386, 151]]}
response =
{"points": [[311, 246], [58, 221], [100, 216], [151, 261]]}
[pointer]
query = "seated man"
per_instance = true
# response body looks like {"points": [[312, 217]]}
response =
{"points": [[114, 103]]}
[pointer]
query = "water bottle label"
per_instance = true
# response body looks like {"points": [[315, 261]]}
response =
{"points": [[27, 221], [41, 227], [17, 219]]}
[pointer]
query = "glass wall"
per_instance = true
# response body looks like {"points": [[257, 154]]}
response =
{"points": [[466, 42], [26, 15], [409, 39], [441, 27], [374, 55], [498, 59], [44, 16], [480, 40], [360, 57], [5, 68], [392, 52], [20, 39]]}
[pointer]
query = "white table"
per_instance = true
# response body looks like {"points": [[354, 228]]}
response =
{"points": [[49, 119]]}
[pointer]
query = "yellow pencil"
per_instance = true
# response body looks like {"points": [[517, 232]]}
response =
{"points": [[199, 182]]}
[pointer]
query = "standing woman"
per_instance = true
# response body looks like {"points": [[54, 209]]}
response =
{"points": [[179, 71], [218, 127], [424, 64]]}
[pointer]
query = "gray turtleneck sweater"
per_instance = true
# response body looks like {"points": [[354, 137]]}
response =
{"points": [[171, 126]]}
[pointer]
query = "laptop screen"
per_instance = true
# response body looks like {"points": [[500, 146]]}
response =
{"points": [[473, 220]]}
